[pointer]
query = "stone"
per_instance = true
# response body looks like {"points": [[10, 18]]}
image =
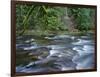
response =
{"points": [[40, 52]]}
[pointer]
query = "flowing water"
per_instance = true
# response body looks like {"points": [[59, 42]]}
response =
{"points": [[54, 53]]}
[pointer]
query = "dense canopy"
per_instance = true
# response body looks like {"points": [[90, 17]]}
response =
{"points": [[53, 18]]}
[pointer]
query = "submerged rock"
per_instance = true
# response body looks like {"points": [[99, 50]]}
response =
{"points": [[60, 53], [38, 69], [25, 46], [85, 61], [67, 53], [66, 64], [40, 52], [44, 62], [57, 37]]}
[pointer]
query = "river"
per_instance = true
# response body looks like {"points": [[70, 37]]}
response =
{"points": [[54, 53]]}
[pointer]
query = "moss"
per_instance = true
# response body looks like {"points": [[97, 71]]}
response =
{"points": [[34, 58]]}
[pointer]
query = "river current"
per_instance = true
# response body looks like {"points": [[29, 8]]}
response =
{"points": [[54, 53]]}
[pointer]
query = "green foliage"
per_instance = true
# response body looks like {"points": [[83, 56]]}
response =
{"points": [[52, 19], [82, 17], [38, 17], [22, 17], [49, 18]]}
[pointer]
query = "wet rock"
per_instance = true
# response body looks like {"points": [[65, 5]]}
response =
{"points": [[82, 42], [58, 37], [30, 47], [66, 64], [68, 53], [21, 52], [44, 62], [85, 61], [30, 41], [26, 46], [38, 69], [19, 68], [54, 53], [21, 46], [40, 52]]}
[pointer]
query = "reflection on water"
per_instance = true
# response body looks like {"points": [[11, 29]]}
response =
{"points": [[54, 53]]}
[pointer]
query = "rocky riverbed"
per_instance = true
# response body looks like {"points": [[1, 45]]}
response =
{"points": [[54, 53]]}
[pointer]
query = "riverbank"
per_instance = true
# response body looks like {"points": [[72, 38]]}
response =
{"points": [[48, 33]]}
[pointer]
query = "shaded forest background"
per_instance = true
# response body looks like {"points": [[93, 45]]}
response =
{"points": [[43, 19]]}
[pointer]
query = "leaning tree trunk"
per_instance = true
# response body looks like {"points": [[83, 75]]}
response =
{"points": [[24, 23]]}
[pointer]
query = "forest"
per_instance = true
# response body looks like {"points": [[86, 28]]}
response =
{"points": [[54, 38], [45, 19]]}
